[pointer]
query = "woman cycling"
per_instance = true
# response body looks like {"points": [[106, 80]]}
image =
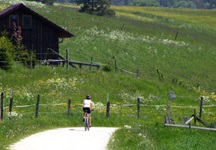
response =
{"points": [[87, 107]]}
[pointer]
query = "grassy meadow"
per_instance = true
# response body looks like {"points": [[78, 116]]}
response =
{"points": [[174, 50]]}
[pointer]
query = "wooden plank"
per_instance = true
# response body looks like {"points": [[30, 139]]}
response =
{"points": [[55, 60], [57, 53], [192, 127], [189, 120], [83, 63], [198, 119]]}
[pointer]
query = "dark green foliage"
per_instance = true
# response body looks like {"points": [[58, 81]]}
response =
{"points": [[27, 57], [100, 7], [207, 4], [160, 75], [48, 2], [107, 68], [10, 53], [184, 4], [153, 3], [212, 125], [6, 49]]}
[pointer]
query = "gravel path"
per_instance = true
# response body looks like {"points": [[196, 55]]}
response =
{"points": [[74, 138]]}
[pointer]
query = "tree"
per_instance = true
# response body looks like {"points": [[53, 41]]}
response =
{"points": [[48, 2], [153, 3], [199, 3], [184, 4], [212, 4], [99, 7]]}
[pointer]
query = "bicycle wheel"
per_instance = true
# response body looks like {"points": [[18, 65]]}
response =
{"points": [[86, 123]]}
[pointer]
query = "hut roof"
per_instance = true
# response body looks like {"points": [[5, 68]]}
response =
{"points": [[62, 33]]}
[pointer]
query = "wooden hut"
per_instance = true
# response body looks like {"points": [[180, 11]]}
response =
{"points": [[32, 30]]}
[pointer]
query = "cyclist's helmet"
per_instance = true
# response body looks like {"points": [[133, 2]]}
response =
{"points": [[88, 97]]}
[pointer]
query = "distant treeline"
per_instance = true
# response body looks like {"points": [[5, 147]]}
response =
{"points": [[200, 4]]}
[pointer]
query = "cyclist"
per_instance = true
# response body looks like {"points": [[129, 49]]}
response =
{"points": [[87, 106]]}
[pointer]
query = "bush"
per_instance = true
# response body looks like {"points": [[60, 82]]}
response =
{"points": [[28, 57], [10, 53], [105, 12], [6, 53]]}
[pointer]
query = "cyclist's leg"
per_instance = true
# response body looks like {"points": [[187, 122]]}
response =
{"points": [[89, 119], [89, 116], [84, 111]]}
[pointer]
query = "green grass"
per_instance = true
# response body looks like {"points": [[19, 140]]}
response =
{"points": [[137, 38]]}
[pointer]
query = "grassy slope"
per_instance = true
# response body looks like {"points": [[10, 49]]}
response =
{"points": [[146, 42]]}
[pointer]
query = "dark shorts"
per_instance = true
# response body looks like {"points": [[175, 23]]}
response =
{"points": [[87, 109]]}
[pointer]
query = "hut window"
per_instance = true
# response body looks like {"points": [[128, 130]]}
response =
{"points": [[27, 21], [14, 20]]}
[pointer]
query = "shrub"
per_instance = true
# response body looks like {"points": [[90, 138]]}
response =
{"points": [[27, 57], [10, 53], [6, 52]]}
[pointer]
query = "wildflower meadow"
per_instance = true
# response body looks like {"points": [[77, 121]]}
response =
{"points": [[172, 49]]}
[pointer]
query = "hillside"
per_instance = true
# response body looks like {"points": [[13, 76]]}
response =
{"points": [[174, 51], [177, 41]]}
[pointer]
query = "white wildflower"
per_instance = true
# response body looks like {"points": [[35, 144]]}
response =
{"points": [[14, 114], [127, 126]]}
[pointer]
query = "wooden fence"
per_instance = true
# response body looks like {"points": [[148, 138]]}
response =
{"points": [[71, 63], [37, 105], [90, 64], [168, 121]]}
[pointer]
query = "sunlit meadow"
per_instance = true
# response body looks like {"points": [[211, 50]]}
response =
{"points": [[173, 51]]}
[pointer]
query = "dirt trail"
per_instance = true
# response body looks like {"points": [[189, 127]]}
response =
{"points": [[74, 138]]}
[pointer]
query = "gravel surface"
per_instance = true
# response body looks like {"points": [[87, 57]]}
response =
{"points": [[74, 138]]}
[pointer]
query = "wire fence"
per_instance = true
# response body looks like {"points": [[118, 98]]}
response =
{"points": [[133, 109], [66, 61], [63, 62]]}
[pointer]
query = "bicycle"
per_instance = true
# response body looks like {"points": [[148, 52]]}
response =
{"points": [[86, 121]]}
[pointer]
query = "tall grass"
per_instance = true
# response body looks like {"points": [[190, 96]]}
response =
{"points": [[137, 38]]}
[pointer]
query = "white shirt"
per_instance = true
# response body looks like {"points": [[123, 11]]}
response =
{"points": [[87, 103]]}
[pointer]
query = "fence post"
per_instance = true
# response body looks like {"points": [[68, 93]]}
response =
{"points": [[116, 68], [2, 105], [37, 106], [108, 109], [138, 107], [168, 111], [176, 35], [201, 106], [138, 73], [91, 63], [10, 105], [67, 59], [69, 107], [195, 116]]}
